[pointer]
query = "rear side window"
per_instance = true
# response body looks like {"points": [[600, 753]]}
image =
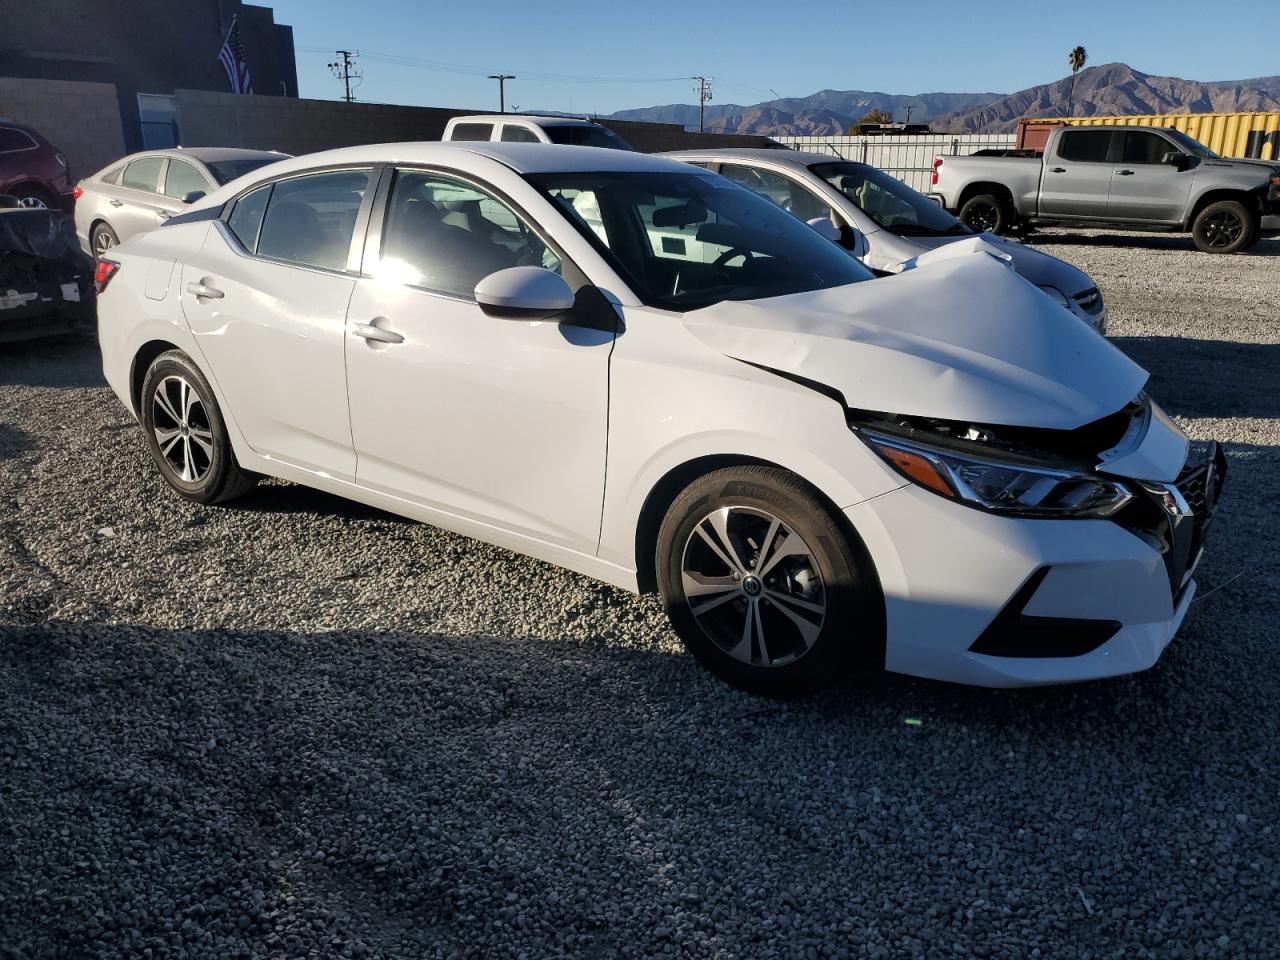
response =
{"points": [[1145, 147], [1085, 146], [246, 217], [182, 178], [142, 174], [472, 131], [310, 220], [513, 134], [11, 139], [113, 177]]}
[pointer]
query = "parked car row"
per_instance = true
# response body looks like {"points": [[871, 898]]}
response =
{"points": [[902, 453]]}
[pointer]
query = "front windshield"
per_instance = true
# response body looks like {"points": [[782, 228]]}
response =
{"points": [[890, 202], [688, 240], [224, 171], [1192, 146], [583, 135]]}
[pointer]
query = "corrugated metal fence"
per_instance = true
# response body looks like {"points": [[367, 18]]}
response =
{"points": [[909, 158]]}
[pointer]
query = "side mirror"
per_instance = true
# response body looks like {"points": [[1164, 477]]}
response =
{"points": [[826, 229], [524, 293], [1174, 158], [193, 196]]}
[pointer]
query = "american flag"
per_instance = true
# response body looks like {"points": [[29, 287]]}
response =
{"points": [[231, 56]]}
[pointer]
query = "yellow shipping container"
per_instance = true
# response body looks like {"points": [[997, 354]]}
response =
{"points": [[1255, 135]]}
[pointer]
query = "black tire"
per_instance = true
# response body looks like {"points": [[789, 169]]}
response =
{"points": [[987, 212], [200, 465], [827, 568], [101, 239], [34, 195], [1225, 226]]}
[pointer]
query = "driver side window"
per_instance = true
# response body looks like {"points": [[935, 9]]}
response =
{"points": [[782, 190], [447, 235]]}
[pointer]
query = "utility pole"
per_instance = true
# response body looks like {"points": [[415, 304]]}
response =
{"points": [[343, 70], [909, 108], [502, 79], [704, 94]]}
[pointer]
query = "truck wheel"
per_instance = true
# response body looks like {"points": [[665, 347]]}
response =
{"points": [[987, 213], [1224, 227]]}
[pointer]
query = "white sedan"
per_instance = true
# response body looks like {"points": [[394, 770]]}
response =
{"points": [[642, 372]]}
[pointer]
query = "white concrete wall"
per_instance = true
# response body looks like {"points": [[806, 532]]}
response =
{"points": [[909, 158]]}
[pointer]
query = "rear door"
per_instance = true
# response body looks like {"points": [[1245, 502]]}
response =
{"points": [[133, 206], [1143, 189], [1076, 180], [267, 300]]}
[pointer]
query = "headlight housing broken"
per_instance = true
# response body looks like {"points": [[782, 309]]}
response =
{"points": [[1000, 486]]}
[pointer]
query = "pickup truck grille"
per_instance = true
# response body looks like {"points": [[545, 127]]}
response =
{"points": [[1090, 300]]}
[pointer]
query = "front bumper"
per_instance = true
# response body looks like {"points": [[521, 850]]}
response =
{"points": [[951, 575]]}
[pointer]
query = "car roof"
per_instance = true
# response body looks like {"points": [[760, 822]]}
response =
{"points": [[204, 154], [795, 158], [540, 119], [523, 158]]}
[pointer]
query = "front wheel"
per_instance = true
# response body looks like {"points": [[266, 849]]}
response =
{"points": [[763, 585], [186, 434], [1225, 227], [987, 213]]}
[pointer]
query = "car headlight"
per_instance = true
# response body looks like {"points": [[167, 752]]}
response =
{"points": [[1014, 489], [1058, 296]]}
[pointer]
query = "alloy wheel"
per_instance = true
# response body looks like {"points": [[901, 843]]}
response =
{"points": [[1222, 229], [101, 243], [33, 203], [983, 217], [182, 429], [753, 586]]}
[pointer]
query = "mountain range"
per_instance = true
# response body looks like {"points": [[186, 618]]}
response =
{"points": [[1108, 90]]}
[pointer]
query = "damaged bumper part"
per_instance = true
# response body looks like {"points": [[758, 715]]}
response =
{"points": [[46, 280]]}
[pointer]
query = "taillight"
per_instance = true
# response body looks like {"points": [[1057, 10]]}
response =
{"points": [[77, 193], [103, 272], [937, 165]]}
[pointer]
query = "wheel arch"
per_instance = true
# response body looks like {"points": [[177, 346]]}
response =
{"points": [[972, 190], [1251, 199], [143, 357]]}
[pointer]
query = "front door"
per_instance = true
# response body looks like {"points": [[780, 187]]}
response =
{"points": [[266, 298], [497, 421], [1144, 189], [1075, 182]]}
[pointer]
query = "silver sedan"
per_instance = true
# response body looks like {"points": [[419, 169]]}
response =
{"points": [[141, 191]]}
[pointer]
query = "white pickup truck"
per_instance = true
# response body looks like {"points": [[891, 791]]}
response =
{"points": [[1148, 178]]}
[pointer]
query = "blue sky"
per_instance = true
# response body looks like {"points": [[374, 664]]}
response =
{"points": [[603, 56]]}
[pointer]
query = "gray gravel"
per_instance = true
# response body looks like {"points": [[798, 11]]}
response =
{"points": [[298, 727]]}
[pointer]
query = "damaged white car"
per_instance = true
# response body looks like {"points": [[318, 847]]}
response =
{"points": [[642, 372]]}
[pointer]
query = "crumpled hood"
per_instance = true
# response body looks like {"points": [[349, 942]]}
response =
{"points": [[1037, 266], [957, 339]]}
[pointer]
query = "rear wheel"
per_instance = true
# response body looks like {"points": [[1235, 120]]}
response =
{"points": [[987, 213], [763, 585], [32, 196], [1225, 227], [186, 433], [102, 239]]}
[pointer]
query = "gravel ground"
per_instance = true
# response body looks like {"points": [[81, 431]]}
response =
{"points": [[298, 727]]}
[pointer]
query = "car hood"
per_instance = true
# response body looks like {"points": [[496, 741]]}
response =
{"points": [[1038, 267], [961, 338]]}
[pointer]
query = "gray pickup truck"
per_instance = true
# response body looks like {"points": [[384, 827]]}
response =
{"points": [[1149, 178]]}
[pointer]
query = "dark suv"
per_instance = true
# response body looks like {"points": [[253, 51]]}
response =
{"points": [[32, 169]]}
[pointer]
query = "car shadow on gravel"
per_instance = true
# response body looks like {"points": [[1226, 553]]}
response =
{"points": [[63, 362], [1209, 378], [282, 497], [1268, 246]]}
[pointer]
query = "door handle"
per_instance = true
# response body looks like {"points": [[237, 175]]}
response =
{"points": [[163, 214], [116, 203], [202, 291], [370, 332], [1057, 169], [1125, 173]]}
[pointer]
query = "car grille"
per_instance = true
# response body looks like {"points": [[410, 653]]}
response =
{"points": [[1090, 301], [1154, 517]]}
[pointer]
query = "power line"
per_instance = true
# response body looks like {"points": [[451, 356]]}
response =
{"points": [[342, 69]]}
